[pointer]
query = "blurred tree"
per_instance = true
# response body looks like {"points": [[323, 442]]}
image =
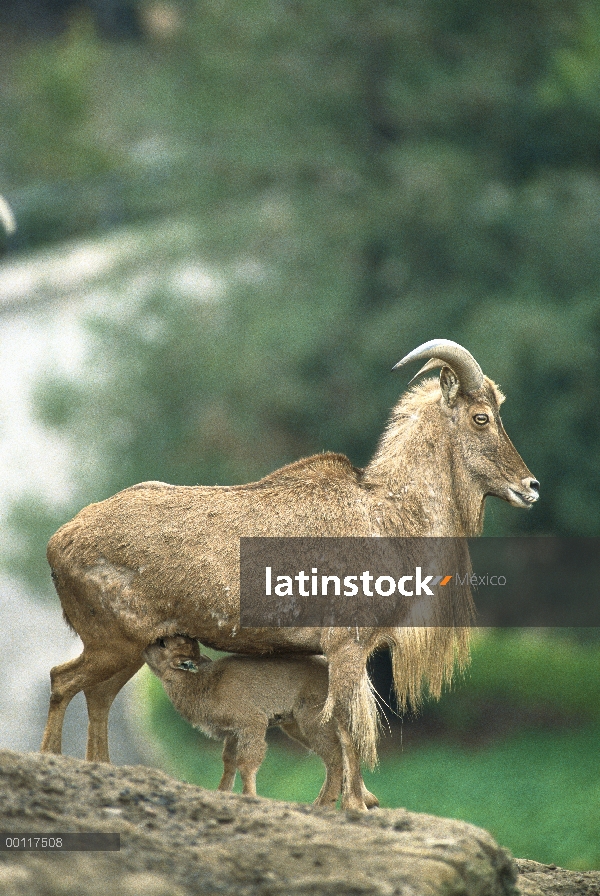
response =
{"points": [[363, 176]]}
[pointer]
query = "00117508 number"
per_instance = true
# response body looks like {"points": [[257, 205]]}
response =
{"points": [[33, 842]]}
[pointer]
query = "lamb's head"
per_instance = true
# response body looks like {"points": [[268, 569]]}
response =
{"points": [[469, 405], [170, 655]]}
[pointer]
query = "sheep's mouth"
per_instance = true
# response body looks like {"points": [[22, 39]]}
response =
{"points": [[521, 499]]}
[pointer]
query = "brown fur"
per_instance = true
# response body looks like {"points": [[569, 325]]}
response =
{"points": [[236, 698], [157, 559]]}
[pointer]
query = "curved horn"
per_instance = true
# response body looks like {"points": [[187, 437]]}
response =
{"points": [[451, 353], [430, 365]]}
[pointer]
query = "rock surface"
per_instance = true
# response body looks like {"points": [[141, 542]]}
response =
{"points": [[179, 840]]}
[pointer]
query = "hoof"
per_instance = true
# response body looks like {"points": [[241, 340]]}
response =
{"points": [[370, 799]]}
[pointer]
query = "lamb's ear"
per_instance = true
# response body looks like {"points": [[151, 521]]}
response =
{"points": [[449, 384], [186, 665]]}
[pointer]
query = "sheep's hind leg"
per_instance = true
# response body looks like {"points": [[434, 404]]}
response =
{"points": [[64, 685], [99, 700], [229, 763], [89, 669]]}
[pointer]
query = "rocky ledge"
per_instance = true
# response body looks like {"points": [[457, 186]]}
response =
{"points": [[181, 840]]}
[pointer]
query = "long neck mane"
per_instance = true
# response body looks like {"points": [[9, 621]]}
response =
{"points": [[423, 483], [420, 487]]}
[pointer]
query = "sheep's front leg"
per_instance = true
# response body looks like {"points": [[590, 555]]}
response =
{"points": [[350, 704], [370, 799], [229, 763], [352, 784]]}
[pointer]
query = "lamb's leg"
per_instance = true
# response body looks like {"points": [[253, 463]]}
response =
{"points": [[229, 763], [332, 786], [99, 700], [251, 751], [322, 740]]}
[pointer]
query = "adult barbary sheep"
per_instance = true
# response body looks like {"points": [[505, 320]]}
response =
{"points": [[156, 559], [236, 698]]}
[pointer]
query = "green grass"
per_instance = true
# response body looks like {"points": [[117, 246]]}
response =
{"points": [[537, 793]]}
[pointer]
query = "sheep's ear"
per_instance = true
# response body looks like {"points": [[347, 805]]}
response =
{"points": [[186, 665], [449, 384]]}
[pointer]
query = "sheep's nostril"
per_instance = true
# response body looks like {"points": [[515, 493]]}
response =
{"points": [[534, 484]]}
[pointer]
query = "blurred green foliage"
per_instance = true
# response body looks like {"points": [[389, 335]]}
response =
{"points": [[361, 177]]}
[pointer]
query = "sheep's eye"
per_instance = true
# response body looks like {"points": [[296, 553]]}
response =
{"points": [[161, 643], [481, 419]]}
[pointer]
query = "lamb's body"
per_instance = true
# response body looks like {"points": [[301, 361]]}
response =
{"points": [[236, 698], [157, 560]]}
